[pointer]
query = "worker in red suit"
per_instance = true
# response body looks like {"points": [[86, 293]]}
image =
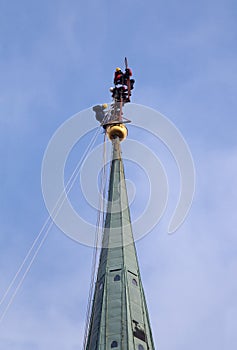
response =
{"points": [[118, 77], [127, 77]]}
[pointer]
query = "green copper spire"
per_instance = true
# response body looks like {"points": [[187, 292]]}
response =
{"points": [[119, 318]]}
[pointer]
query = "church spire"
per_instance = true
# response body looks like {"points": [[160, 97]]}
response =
{"points": [[119, 318]]}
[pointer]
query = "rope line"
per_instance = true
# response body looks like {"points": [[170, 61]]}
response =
{"points": [[24, 275], [100, 215], [55, 211]]}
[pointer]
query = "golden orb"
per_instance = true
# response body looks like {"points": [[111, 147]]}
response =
{"points": [[117, 130]]}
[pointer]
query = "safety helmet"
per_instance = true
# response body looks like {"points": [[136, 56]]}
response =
{"points": [[118, 69], [104, 105], [111, 89]]}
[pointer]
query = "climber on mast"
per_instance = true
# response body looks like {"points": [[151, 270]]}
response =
{"points": [[100, 114], [118, 77], [128, 81], [121, 92], [123, 84]]}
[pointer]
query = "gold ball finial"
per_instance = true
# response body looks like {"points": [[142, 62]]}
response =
{"points": [[117, 130]]}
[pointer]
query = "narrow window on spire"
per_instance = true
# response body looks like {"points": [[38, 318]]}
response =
{"points": [[140, 347], [114, 344], [134, 281], [117, 278]]}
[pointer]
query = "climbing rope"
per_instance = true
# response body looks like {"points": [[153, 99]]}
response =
{"points": [[41, 237], [98, 237]]}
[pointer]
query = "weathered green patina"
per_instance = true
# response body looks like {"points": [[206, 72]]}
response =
{"points": [[119, 318]]}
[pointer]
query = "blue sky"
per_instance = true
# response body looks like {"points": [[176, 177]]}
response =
{"points": [[56, 59]]}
